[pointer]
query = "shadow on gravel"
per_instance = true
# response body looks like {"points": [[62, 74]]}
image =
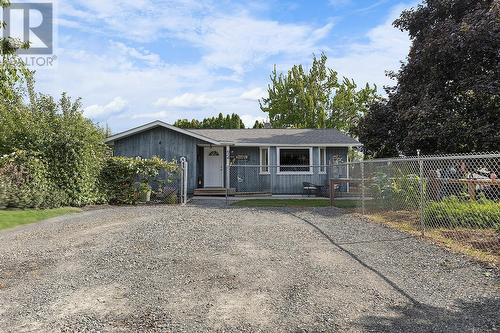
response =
{"points": [[416, 317], [473, 317], [361, 262]]}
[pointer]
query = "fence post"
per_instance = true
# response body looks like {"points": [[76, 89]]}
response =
{"points": [[184, 178], [422, 193], [362, 187]]}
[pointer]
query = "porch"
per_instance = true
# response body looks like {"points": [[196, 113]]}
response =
{"points": [[265, 171]]}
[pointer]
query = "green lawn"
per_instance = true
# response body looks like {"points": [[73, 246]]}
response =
{"points": [[294, 203], [12, 218]]}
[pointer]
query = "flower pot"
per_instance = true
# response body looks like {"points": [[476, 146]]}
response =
{"points": [[145, 196]]}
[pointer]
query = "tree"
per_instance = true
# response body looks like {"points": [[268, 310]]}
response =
{"points": [[229, 121], [376, 131], [15, 78], [447, 97], [258, 124], [315, 99]]}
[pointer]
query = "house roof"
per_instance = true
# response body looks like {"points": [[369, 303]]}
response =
{"points": [[273, 136], [253, 137]]}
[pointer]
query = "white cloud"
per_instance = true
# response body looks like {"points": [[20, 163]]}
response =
{"points": [[239, 42], [145, 56], [253, 94], [185, 100], [249, 119], [97, 111], [230, 54], [368, 62]]}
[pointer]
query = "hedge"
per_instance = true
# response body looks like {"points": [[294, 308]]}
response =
{"points": [[453, 212], [25, 183], [125, 178]]}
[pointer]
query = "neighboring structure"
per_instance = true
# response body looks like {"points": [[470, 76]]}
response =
{"points": [[216, 156]]}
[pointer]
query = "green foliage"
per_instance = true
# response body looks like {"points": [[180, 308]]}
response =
{"points": [[229, 121], [124, 179], [13, 218], [447, 98], [400, 191], [25, 183], [378, 131], [70, 144], [453, 212], [316, 99], [258, 124], [14, 75]]}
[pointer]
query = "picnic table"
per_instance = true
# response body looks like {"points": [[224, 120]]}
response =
{"points": [[471, 183]]}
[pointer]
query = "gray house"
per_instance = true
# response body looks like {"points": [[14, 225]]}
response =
{"points": [[277, 161]]}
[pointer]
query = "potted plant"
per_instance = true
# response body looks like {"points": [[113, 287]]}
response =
{"points": [[145, 191]]}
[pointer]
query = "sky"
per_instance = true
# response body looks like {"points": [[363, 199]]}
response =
{"points": [[136, 61]]}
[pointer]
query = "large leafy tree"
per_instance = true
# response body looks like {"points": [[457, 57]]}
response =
{"points": [[447, 97], [316, 98], [15, 77], [229, 121]]}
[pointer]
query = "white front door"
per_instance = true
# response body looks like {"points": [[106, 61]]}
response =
{"points": [[213, 167]]}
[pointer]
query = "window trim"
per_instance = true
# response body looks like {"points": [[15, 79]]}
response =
{"points": [[261, 164], [322, 163], [279, 172]]}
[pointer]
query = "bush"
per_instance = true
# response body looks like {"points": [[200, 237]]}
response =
{"points": [[397, 192], [453, 212], [122, 178], [24, 183], [71, 146]]}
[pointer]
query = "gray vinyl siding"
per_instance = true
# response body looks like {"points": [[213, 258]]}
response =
{"points": [[163, 143]]}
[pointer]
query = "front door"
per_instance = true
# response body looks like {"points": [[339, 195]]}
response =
{"points": [[213, 167]]}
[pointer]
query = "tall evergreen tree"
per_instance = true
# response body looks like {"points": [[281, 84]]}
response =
{"points": [[229, 121]]}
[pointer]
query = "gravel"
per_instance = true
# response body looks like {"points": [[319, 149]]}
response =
{"points": [[208, 268]]}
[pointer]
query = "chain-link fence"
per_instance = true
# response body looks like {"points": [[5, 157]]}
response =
{"points": [[455, 198], [309, 180], [169, 187]]}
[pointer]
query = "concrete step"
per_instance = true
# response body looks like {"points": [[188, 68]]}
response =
{"points": [[213, 191]]}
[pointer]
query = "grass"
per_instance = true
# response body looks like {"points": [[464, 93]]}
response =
{"points": [[294, 203], [13, 218]]}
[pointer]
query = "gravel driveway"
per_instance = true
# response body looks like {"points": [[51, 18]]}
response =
{"points": [[201, 268]]}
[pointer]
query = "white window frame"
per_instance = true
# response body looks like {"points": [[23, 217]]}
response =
{"points": [[279, 172], [262, 168], [322, 163]]}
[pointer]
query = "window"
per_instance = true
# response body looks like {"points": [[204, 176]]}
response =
{"points": [[322, 160], [294, 160], [264, 160]]}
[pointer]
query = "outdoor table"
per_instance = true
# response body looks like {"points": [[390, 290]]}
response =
{"points": [[470, 182]]}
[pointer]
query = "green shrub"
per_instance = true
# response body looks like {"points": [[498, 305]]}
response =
{"points": [[122, 177], [25, 182], [70, 145], [453, 212], [400, 191]]}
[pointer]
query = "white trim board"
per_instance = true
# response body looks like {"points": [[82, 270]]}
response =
{"points": [[278, 170]]}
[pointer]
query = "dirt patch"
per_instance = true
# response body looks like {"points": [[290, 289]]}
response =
{"points": [[479, 244], [483, 240]]}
